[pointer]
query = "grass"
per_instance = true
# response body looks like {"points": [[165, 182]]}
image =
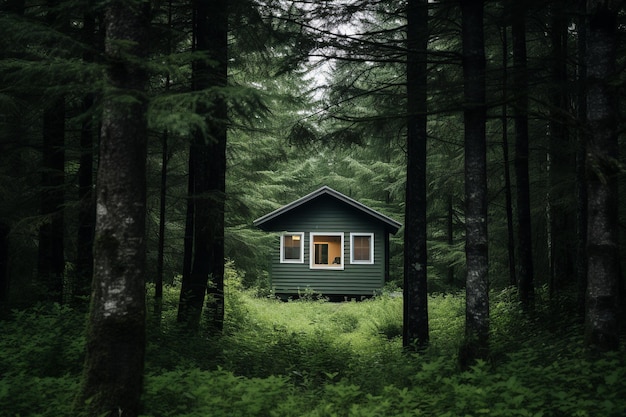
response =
{"points": [[317, 358]]}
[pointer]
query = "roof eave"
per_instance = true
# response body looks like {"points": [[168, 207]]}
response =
{"points": [[392, 225]]}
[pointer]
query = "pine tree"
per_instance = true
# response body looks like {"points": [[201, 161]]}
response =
{"points": [[415, 328], [208, 162], [601, 320], [114, 363], [477, 284], [520, 106], [86, 200], [51, 253], [560, 155]]}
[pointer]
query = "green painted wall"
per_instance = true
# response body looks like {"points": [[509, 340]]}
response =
{"points": [[325, 214]]}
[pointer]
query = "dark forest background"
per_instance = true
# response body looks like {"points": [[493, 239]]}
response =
{"points": [[491, 130]]}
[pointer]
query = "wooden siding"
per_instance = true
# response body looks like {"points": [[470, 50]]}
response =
{"points": [[327, 215]]}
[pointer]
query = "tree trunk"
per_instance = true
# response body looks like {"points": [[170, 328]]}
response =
{"points": [[601, 321], [114, 363], [165, 156], [450, 236], [188, 238], [209, 170], [87, 212], [415, 327], [51, 257], [194, 287], [560, 161], [476, 342], [581, 186], [217, 41], [505, 157], [525, 276], [158, 281], [4, 267]]}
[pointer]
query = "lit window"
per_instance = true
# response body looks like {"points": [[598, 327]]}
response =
{"points": [[326, 250], [362, 248], [292, 248]]}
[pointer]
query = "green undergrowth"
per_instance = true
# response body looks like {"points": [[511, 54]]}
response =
{"points": [[312, 357]]}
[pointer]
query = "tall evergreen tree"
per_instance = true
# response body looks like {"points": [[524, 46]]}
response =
{"points": [[51, 255], [505, 156], [581, 145], [601, 320], [217, 38], [520, 110], [87, 212], [4, 266], [415, 328], [560, 159], [477, 282], [208, 168], [114, 362]]}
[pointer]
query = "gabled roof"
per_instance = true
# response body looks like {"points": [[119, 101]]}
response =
{"points": [[392, 225]]}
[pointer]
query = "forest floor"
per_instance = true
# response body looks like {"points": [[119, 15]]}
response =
{"points": [[312, 357]]}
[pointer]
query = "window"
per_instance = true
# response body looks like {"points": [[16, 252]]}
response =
{"points": [[326, 251], [292, 248], [361, 248]]}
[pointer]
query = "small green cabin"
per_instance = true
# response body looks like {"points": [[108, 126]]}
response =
{"points": [[328, 243]]}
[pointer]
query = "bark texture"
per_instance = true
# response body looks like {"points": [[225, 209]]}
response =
{"points": [[525, 271], [477, 281], [415, 327], [87, 212], [216, 40], [508, 197], [581, 151], [4, 266], [114, 361], [560, 159], [208, 162], [51, 256], [601, 320]]}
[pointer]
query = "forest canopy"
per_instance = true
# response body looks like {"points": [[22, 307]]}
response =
{"points": [[141, 139]]}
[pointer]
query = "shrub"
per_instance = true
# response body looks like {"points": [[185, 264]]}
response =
{"points": [[345, 322], [24, 394], [316, 358], [386, 316], [44, 341]]}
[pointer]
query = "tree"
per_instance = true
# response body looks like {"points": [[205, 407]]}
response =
{"points": [[520, 107], [86, 214], [476, 283], [601, 319], [415, 328], [505, 157], [113, 369], [51, 259], [560, 158], [217, 39], [51, 256], [581, 139], [4, 266], [208, 168]]}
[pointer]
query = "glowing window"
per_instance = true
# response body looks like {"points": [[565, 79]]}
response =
{"points": [[326, 250]]}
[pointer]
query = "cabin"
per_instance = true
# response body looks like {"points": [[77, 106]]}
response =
{"points": [[330, 244]]}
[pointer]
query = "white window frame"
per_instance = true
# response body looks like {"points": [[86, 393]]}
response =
{"points": [[282, 248], [362, 262], [312, 264]]}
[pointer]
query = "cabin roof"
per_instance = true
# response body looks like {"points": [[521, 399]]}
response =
{"points": [[391, 225]]}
